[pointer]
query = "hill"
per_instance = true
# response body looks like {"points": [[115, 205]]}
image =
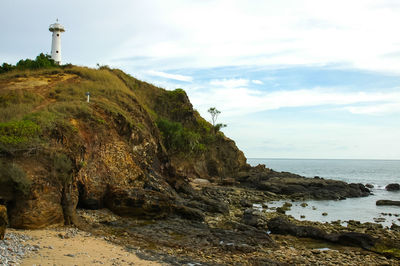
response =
{"points": [[130, 148]]}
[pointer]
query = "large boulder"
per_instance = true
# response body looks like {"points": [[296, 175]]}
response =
{"points": [[393, 187], [281, 225], [3, 221]]}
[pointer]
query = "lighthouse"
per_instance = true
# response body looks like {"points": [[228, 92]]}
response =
{"points": [[56, 29]]}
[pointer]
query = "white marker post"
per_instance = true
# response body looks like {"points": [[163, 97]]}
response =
{"points": [[88, 96]]}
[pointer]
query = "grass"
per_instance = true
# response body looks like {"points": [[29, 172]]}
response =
{"points": [[125, 100]]}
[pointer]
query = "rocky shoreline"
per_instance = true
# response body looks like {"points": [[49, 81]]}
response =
{"points": [[240, 236]]}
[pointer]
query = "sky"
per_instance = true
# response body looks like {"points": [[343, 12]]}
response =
{"points": [[292, 78]]}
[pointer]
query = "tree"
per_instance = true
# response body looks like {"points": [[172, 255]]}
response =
{"points": [[214, 115]]}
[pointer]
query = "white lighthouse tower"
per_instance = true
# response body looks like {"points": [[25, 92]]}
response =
{"points": [[56, 29]]}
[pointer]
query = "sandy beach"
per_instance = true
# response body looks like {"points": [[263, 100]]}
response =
{"points": [[68, 246]]}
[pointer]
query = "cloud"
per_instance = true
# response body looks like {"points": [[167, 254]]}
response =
{"points": [[170, 76], [377, 109], [229, 83], [312, 32], [258, 82], [235, 101]]}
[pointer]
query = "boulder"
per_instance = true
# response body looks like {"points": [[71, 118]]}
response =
{"points": [[353, 239], [3, 221], [254, 218], [281, 225], [369, 185], [393, 187]]}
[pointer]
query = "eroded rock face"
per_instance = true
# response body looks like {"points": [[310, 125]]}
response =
{"points": [[41, 209], [3, 221]]}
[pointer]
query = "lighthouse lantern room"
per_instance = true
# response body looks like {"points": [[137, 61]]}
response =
{"points": [[56, 29]]}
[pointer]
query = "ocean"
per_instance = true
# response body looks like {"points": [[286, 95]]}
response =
{"points": [[379, 173]]}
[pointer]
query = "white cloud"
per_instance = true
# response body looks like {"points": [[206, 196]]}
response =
{"points": [[241, 101], [169, 76], [229, 83], [313, 32], [258, 82], [377, 109]]}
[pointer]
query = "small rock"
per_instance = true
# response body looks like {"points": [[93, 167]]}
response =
{"points": [[324, 214], [369, 186], [393, 187], [304, 205]]}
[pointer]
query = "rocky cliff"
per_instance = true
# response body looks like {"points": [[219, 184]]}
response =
{"points": [[134, 148]]}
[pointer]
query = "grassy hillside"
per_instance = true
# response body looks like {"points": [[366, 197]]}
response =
{"points": [[35, 102]]}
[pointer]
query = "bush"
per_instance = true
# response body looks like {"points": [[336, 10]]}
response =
{"points": [[62, 168], [12, 174], [179, 139], [18, 135], [41, 61]]}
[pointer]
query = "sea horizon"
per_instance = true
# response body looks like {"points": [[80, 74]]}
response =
{"points": [[284, 158]]}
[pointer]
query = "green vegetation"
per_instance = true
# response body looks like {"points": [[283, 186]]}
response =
{"points": [[179, 139], [18, 135], [62, 168], [14, 104], [41, 61], [14, 176], [214, 116], [116, 98]]}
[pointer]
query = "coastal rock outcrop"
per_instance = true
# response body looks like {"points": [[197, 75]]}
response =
{"points": [[297, 186]]}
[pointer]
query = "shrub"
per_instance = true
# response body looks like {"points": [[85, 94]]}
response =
{"points": [[41, 61], [14, 175], [18, 135], [62, 168], [178, 138]]}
